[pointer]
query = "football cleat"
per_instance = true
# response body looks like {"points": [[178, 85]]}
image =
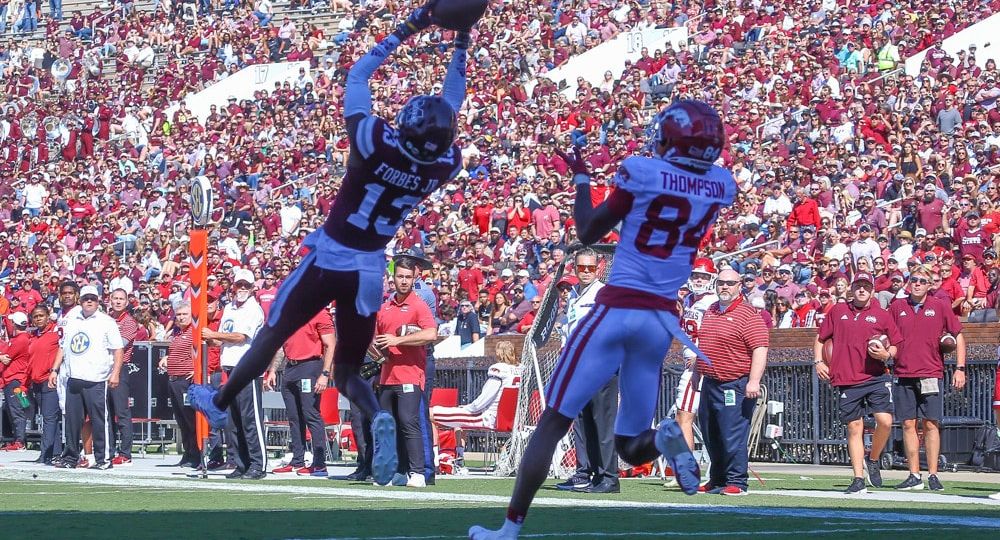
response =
{"points": [[481, 533], [384, 458], [671, 443], [201, 396]]}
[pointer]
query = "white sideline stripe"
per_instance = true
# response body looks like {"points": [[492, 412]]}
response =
{"points": [[656, 534], [102, 478], [890, 496]]}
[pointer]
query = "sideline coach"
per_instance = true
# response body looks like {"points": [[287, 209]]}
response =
{"points": [[734, 337], [919, 370], [857, 370], [91, 352]]}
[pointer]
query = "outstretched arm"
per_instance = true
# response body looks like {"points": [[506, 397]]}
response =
{"points": [[357, 95], [592, 223], [454, 81]]}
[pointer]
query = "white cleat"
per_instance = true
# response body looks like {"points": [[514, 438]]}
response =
{"points": [[416, 481], [480, 533]]}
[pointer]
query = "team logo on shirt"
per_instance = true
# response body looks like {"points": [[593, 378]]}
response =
{"points": [[227, 326], [930, 313], [870, 319], [79, 343]]}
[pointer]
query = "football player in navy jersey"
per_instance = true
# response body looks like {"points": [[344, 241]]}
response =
{"points": [[390, 170]]}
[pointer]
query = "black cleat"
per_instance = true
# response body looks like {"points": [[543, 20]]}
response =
{"points": [[912, 483], [857, 487], [934, 484], [873, 472]]}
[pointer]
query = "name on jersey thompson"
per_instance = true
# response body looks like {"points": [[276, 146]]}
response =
{"points": [[404, 180], [694, 185]]}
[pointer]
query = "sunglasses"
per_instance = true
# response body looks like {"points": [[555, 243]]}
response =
{"points": [[89, 298], [921, 281], [727, 283], [586, 268]]}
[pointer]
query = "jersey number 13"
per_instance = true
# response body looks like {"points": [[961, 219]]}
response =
{"points": [[384, 225]]}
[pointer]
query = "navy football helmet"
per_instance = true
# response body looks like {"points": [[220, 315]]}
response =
{"points": [[692, 132], [426, 128]]}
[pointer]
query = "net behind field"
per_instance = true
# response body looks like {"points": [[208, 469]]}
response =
{"points": [[541, 351]]}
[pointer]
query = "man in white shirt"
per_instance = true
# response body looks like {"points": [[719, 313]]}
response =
{"points": [[576, 32], [91, 353], [291, 217], [777, 203], [264, 11], [241, 320], [35, 196], [865, 245]]}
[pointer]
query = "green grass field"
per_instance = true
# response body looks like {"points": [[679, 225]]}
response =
{"points": [[94, 506]]}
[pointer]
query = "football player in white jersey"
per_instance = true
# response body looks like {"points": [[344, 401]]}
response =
{"points": [[702, 286], [665, 203]]}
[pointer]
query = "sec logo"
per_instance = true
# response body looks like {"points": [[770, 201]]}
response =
{"points": [[227, 326], [79, 343]]}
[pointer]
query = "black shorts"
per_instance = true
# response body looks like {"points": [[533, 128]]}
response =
{"points": [[910, 403], [872, 396]]}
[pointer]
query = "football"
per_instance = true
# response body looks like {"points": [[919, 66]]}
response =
{"points": [[458, 14], [407, 329], [827, 350], [884, 339], [948, 343]]}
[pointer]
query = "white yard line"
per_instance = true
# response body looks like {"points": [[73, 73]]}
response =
{"points": [[700, 503]]}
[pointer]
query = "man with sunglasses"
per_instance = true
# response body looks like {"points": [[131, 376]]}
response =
{"points": [[90, 352], [857, 370], [919, 372], [593, 428], [735, 339]]}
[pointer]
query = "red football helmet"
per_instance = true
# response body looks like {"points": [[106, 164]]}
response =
{"points": [[705, 266], [692, 132]]}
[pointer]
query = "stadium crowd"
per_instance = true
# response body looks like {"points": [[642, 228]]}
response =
{"points": [[845, 163]]}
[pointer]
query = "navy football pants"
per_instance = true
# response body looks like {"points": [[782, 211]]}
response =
{"points": [[725, 428]]}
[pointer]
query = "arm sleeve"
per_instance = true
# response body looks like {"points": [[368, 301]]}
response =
{"points": [[454, 82], [491, 390], [425, 319], [114, 337], [357, 96]]}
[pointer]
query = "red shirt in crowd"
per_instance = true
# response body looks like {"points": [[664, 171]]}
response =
{"points": [[305, 343], [406, 364], [921, 325], [728, 338], [42, 351], [851, 328]]}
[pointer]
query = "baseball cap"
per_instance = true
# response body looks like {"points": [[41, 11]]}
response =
{"points": [[785, 268], [19, 319], [523, 273], [568, 281], [507, 272], [930, 185], [920, 232], [243, 274], [89, 290], [864, 278]]}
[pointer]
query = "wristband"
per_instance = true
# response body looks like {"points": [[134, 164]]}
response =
{"points": [[959, 368], [325, 373], [581, 179]]}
